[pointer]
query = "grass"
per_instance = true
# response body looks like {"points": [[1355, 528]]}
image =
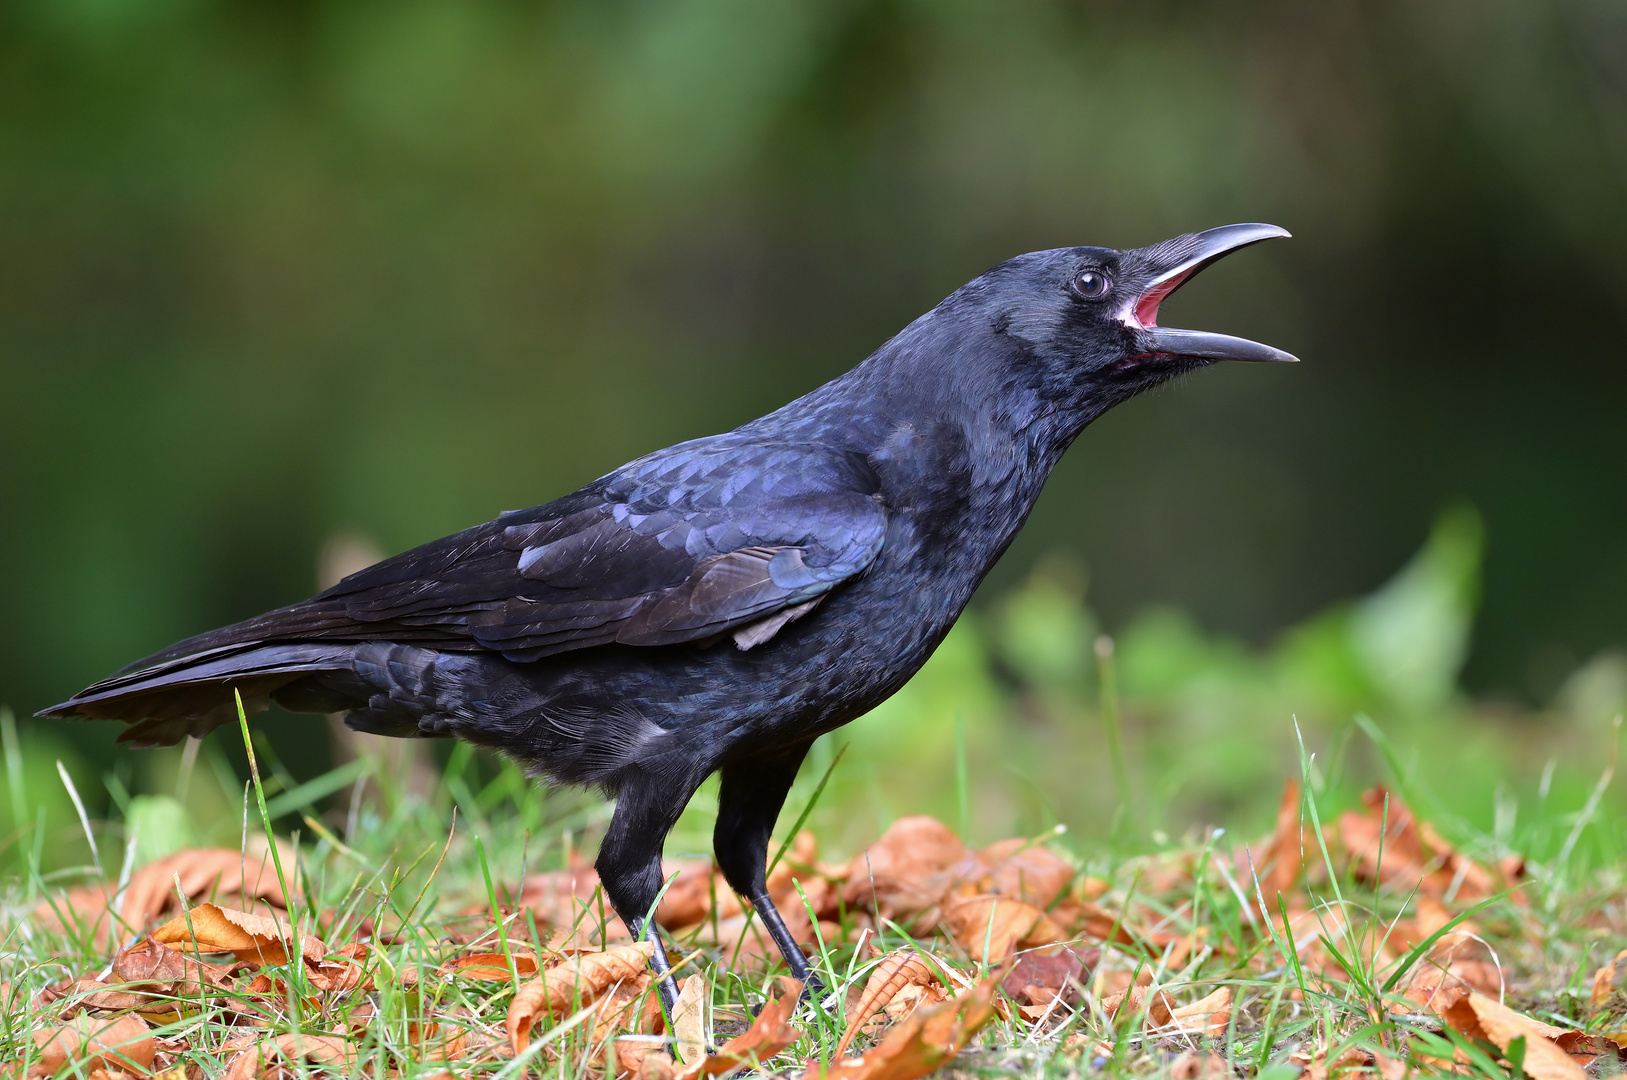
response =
{"points": [[1003, 735], [438, 877]]}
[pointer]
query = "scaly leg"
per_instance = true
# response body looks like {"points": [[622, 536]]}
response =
{"points": [[752, 794]]}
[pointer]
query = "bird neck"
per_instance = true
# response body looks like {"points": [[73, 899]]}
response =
{"points": [[961, 430]]}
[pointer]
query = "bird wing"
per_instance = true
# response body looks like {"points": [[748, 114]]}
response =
{"points": [[686, 544]]}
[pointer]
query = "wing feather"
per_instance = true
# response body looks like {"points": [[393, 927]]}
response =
{"points": [[685, 545]]}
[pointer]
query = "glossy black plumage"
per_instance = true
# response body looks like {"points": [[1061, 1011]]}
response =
{"points": [[719, 604]]}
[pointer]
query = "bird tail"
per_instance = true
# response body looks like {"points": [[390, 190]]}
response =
{"points": [[192, 694]]}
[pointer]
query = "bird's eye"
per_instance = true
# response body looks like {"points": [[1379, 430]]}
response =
{"points": [[1092, 284]]}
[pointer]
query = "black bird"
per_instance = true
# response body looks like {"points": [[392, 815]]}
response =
{"points": [[718, 605]]}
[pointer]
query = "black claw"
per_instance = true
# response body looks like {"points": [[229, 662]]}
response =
{"points": [[813, 990]]}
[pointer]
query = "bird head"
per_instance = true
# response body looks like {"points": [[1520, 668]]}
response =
{"points": [[1085, 319]]}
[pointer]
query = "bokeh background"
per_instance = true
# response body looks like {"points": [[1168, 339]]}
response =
{"points": [[272, 274]]}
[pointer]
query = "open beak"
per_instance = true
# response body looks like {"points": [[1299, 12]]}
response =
{"points": [[1174, 261]]}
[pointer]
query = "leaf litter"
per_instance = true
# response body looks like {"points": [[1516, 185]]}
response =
{"points": [[1197, 963]]}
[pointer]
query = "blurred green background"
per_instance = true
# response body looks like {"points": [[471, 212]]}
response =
{"points": [[276, 273]]}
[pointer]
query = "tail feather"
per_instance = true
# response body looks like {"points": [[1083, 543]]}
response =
{"points": [[305, 620], [194, 694]]}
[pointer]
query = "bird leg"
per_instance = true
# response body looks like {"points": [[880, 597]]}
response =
{"points": [[647, 805], [752, 793]]}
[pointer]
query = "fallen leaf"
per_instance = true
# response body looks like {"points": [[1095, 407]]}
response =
{"points": [[690, 1034], [929, 1038], [906, 872], [629, 1007], [255, 939], [897, 971], [1207, 1016], [205, 873], [696, 895], [644, 1061], [88, 1042], [343, 969], [1094, 921], [745, 942], [1351, 1062], [646, 1042], [769, 1033], [1157, 1005], [1431, 916], [1282, 860], [571, 903], [1412, 853], [1041, 976], [1479, 1017], [1456, 963], [490, 966], [797, 863], [992, 927], [1026, 871], [80, 994], [576, 979], [1199, 1066], [150, 965], [1608, 980], [281, 1058]]}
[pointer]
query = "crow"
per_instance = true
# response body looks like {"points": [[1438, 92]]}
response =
{"points": [[718, 605]]}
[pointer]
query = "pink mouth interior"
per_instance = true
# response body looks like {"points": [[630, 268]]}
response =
{"points": [[1146, 309]]}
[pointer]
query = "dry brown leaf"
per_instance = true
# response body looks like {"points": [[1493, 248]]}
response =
{"points": [[907, 871], [745, 942], [897, 971], [149, 965], [254, 939], [1479, 1017], [1456, 963], [1094, 921], [570, 903], [924, 1042], [1431, 915], [1443, 977], [771, 1032], [280, 1058], [1195, 1066], [88, 1042], [690, 898], [644, 1061], [1040, 976], [1023, 870], [1158, 1006], [1608, 980], [343, 969], [77, 994], [628, 1007], [205, 873], [1353, 1062], [798, 864], [640, 1058], [690, 1035], [1384, 840], [699, 893], [579, 978], [992, 927], [1413, 853], [1206, 1016], [491, 966], [1283, 859]]}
